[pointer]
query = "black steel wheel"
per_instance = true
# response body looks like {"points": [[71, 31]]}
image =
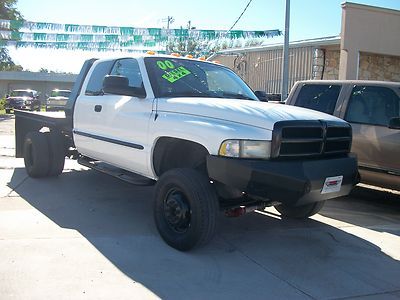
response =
{"points": [[299, 212], [177, 211], [185, 209], [36, 154]]}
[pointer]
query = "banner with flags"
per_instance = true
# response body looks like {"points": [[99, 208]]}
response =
{"points": [[110, 38]]}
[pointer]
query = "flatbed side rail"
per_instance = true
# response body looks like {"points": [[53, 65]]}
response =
{"points": [[31, 121]]}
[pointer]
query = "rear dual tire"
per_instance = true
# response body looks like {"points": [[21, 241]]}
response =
{"points": [[44, 154]]}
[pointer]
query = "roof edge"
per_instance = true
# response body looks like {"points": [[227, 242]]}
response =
{"points": [[325, 41]]}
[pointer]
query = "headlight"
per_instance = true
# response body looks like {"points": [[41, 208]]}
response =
{"points": [[245, 149]]}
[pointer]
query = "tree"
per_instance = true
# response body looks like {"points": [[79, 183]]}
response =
{"points": [[8, 11], [6, 63]]}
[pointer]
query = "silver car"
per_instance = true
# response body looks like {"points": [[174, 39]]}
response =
{"points": [[57, 100]]}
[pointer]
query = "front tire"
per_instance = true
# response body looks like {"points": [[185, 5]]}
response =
{"points": [[185, 209], [299, 212], [8, 111], [36, 154]]}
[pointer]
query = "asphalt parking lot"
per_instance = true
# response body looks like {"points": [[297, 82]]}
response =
{"points": [[85, 235]]}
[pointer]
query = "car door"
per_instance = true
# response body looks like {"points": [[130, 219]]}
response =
{"points": [[117, 125], [88, 114], [369, 110]]}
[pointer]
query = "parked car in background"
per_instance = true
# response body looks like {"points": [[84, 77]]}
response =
{"points": [[57, 100], [373, 110], [22, 99]]}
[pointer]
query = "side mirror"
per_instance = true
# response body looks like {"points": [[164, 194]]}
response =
{"points": [[119, 85], [394, 123], [261, 95]]}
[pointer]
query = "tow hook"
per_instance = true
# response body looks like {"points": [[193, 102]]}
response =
{"points": [[242, 210]]}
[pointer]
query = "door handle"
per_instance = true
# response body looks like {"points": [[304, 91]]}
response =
{"points": [[97, 108]]}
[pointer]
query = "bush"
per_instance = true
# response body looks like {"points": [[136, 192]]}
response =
{"points": [[2, 103]]}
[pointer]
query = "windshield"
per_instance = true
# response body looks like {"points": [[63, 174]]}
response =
{"points": [[60, 94], [171, 77], [21, 94]]}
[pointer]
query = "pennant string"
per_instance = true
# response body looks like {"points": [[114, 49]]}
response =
{"points": [[105, 38]]}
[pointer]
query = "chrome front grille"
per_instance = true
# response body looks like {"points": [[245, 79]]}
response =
{"points": [[310, 138]]}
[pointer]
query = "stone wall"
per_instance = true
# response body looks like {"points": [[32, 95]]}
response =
{"points": [[332, 61], [379, 67]]}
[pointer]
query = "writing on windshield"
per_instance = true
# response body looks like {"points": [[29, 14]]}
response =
{"points": [[172, 74]]}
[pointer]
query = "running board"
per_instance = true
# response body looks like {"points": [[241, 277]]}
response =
{"points": [[116, 172]]}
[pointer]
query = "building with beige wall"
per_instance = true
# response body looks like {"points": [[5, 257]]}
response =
{"points": [[370, 36], [44, 83], [367, 48]]}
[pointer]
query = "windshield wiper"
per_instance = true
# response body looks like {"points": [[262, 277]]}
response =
{"points": [[234, 96]]}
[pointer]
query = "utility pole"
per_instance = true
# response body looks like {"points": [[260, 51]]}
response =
{"points": [[169, 20], [285, 65]]}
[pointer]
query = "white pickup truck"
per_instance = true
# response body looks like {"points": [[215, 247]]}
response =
{"points": [[198, 131]]}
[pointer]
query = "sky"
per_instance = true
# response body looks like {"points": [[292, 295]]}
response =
{"points": [[308, 19]]}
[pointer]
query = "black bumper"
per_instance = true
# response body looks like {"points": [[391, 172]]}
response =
{"points": [[293, 182]]}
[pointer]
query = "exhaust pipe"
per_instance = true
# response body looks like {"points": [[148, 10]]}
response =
{"points": [[242, 210]]}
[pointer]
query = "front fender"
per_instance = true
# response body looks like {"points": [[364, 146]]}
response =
{"points": [[209, 132]]}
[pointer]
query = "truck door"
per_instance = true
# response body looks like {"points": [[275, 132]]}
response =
{"points": [[114, 128], [369, 110]]}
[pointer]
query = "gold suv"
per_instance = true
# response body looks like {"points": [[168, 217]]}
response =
{"points": [[373, 110]]}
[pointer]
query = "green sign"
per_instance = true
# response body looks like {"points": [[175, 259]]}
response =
{"points": [[176, 74]]}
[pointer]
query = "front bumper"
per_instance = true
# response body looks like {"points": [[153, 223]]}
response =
{"points": [[22, 107], [54, 107], [292, 182]]}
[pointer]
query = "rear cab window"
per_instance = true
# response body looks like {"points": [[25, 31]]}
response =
{"points": [[319, 97], [372, 105]]}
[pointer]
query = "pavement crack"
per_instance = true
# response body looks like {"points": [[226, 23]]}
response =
{"points": [[332, 236], [266, 269]]}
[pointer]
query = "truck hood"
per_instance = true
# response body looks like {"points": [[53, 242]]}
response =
{"points": [[253, 113]]}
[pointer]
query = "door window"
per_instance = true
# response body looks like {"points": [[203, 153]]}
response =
{"points": [[129, 68], [319, 97], [95, 84], [372, 105]]}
